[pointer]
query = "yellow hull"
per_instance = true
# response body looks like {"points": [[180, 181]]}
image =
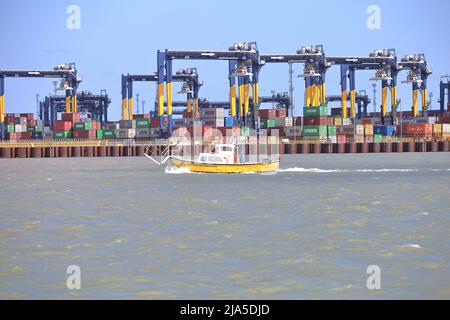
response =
{"points": [[225, 168]]}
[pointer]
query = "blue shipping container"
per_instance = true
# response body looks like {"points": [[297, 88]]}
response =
{"points": [[384, 130], [229, 122]]}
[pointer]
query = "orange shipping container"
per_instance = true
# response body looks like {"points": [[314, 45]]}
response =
{"points": [[62, 126]]}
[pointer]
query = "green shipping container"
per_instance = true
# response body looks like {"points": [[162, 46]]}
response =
{"points": [[378, 138], [245, 132], [10, 128], [313, 131], [331, 131], [31, 128], [62, 134], [142, 123], [109, 134], [82, 126], [268, 123], [321, 111], [99, 134]]}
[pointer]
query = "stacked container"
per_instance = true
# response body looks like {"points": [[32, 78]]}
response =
{"points": [[316, 124], [214, 117]]}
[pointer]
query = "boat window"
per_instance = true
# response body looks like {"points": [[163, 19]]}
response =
{"points": [[204, 159], [226, 149]]}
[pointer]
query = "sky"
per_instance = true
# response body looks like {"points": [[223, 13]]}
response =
{"points": [[117, 36]]}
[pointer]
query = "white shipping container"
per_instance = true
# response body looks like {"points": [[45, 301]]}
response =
{"points": [[293, 132], [288, 122], [445, 128], [360, 129], [217, 123], [346, 122], [126, 133], [20, 128], [213, 113]]}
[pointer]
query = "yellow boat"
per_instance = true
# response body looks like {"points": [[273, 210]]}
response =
{"points": [[223, 159]]}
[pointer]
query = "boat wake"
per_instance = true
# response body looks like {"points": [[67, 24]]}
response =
{"points": [[175, 170]]}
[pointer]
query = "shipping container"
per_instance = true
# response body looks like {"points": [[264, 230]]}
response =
{"points": [[112, 125], [62, 126], [384, 130], [109, 133], [315, 111], [82, 126], [190, 115], [126, 133], [127, 124], [345, 130], [141, 116], [320, 131], [212, 113], [268, 123], [341, 139], [143, 123], [216, 122], [72, 117], [62, 135], [293, 132], [245, 131], [331, 131], [415, 129], [368, 129], [10, 128], [229, 122], [281, 113], [378, 138], [267, 113], [316, 121], [359, 129], [143, 133], [85, 134], [20, 128]]}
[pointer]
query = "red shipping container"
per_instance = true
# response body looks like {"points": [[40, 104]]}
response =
{"points": [[85, 134], [267, 113], [72, 117], [416, 129], [297, 121], [341, 139], [366, 121], [154, 123], [31, 123], [444, 120], [188, 115], [281, 113], [26, 135], [62, 126], [12, 135], [141, 116], [230, 131], [316, 121]]}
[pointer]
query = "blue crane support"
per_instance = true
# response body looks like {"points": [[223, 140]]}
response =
{"points": [[444, 85]]}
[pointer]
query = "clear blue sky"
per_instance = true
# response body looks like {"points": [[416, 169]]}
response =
{"points": [[118, 36]]}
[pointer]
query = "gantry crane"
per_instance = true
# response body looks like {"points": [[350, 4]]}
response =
{"points": [[96, 105], [315, 66], [189, 77], [381, 61], [242, 58], [418, 76], [69, 82]]}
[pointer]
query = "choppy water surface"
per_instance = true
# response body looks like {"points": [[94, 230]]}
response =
{"points": [[309, 231]]}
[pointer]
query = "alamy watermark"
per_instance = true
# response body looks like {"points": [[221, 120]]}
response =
{"points": [[73, 281], [374, 280], [374, 19], [73, 21]]}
